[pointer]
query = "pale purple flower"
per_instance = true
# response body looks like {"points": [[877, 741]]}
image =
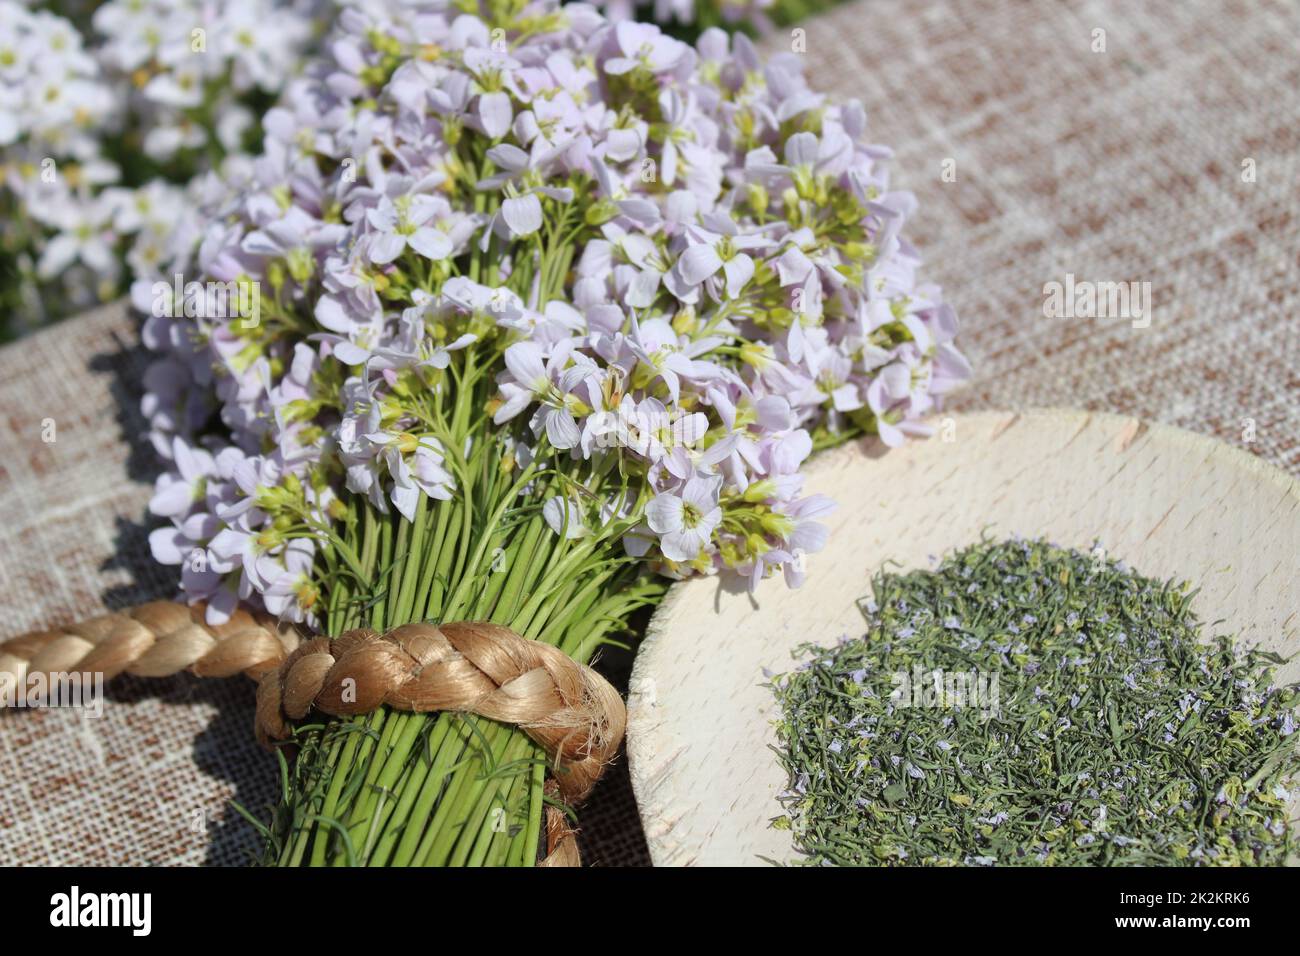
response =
{"points": [[415, 465], [685, 520], [530, 377], [402, 224], [175, 493], [355, 338], [709, 252], [643, 46], [663, 352], [564, 516], [287, 576]]}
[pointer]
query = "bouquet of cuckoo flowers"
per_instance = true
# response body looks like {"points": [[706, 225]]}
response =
{"points": [[552, 312]]}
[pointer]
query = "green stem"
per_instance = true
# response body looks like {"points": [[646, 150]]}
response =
{"points": [[489, 812], [330, 807], [536, 813], [448, 817], [448, 753], [403, 789], [401, 817]]}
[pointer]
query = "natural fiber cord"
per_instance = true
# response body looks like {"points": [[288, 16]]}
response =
{"points": [[567, 708], [479, 668], [157, 639]]}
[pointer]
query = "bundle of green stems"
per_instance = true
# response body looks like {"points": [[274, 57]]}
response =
{"points": [[446, 789]]}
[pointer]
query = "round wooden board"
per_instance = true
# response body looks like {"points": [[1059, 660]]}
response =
{"points": [[1170, 503]]}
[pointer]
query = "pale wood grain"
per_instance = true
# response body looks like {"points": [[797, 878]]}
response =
{"points": [[1170, 503]]}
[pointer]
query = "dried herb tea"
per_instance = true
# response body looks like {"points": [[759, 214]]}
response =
{"points": [[1027, 704]]}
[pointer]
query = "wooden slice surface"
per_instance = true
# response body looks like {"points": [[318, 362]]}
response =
{"points": [[1170, 503]]}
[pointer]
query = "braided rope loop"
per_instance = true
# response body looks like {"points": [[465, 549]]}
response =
{"points": [[473, 667]]}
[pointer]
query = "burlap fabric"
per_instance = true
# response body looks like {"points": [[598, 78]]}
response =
{"points": [[1122, 164]]}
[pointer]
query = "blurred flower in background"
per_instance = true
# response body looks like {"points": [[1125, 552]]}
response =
{"points": [[117, 120]]}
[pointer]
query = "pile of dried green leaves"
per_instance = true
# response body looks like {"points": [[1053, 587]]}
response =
{"points": [[1027, 704]]}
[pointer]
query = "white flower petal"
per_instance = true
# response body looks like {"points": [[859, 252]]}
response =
{"points": [[431, 243], [524, 362], [523, 215], [385, 247], [664, 513], [495, 113], [698, 263], [739, 270]]}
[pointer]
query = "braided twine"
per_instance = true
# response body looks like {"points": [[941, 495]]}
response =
{"points": [[567, 708]]}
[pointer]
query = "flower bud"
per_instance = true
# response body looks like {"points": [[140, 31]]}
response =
{"points": [[301, 265], [275, 274], [778, 524]]}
